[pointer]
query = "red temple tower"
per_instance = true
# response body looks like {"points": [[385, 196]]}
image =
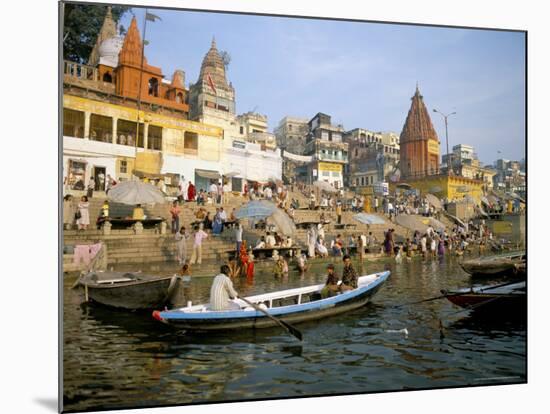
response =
{"points": [[419, 144]]}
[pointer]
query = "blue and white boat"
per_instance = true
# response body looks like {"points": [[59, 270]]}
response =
{"points": [[291, 305]]}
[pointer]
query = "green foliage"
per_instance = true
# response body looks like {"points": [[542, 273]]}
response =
{"points": [[82, 23]]}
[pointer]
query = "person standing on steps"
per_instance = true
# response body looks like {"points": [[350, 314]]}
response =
{"points": [[175, 213], [199, 236], [181, 245]]}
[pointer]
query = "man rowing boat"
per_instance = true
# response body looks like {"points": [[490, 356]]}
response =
{"points": [[222, 290]]}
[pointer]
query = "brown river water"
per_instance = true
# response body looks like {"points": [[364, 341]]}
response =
{"points": [[117, 359]]}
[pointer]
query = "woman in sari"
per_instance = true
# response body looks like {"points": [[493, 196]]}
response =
{"points": [[191, 192], [243, 256]]}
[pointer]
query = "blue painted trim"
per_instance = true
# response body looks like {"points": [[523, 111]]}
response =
{"points": [[279, 311]]}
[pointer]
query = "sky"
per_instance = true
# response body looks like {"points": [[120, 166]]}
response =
{"points": [[362, 74]]}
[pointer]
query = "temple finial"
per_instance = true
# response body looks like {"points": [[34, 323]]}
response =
{"points": [[213, 46]]}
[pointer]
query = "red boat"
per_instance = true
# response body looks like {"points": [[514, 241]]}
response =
{"points": [[501, 297]]}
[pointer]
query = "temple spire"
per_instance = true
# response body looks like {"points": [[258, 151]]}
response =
{"points": [[213, 45], [107, 31], [131, 49]]}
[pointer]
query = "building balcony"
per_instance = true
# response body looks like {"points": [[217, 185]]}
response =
{"points": [[329, 157]]}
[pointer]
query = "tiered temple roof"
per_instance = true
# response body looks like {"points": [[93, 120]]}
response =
{"points": [[108, 30], [418, 125], [213, 65]]}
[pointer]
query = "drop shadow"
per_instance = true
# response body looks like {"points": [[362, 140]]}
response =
{"points": [[49, 403]]}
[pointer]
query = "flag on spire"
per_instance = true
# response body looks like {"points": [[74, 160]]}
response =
{"points": [[211, 83], [152, 17]]}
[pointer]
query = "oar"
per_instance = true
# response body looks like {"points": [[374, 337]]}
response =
{"points": [[290, 329]]}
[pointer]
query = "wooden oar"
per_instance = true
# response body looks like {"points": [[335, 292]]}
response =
{"points": [[289, 328]]}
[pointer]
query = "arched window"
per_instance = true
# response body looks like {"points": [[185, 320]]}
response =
{"points": [[107, 78], [179, 97], [153, 87]]}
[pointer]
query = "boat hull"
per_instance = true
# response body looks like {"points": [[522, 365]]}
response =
{"points": [[151, 293], [493, 266], [505, 298], [310, 311]]}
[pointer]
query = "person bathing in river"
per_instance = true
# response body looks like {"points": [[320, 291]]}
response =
{"points": [[281, 267], [234, 268], [222, 290], [331, 285], [302, 264], [349, 275]]}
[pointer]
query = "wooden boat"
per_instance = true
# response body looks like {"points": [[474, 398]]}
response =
{"points": [[493, 265], [292, 305], [128, 290], [501, 297]]}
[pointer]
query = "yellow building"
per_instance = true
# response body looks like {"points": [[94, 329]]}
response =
{"points": [[444, 186], [99, 140]]}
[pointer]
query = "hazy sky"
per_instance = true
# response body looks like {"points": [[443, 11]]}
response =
{"points": [[362, 74]]}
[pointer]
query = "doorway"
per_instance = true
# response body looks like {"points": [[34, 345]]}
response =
{"points": [[99, 177]]}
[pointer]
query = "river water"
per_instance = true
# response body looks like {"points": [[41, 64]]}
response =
{"points": [[115, 359]]}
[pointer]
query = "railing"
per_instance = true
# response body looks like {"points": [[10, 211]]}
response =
{"points": [[80, 71]]}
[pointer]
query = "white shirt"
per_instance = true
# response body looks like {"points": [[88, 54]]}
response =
{"points": [[220, 292], [223, 215], [268, 193], [239, 233], [213, 188], [270, 240]]}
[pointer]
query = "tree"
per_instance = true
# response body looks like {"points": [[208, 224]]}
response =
{"points": [[226, 58], [82, 23]]}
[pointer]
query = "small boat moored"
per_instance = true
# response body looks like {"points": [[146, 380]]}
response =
{"points": [[494, 265], [292, 305], [128, 290], [502, 297]]}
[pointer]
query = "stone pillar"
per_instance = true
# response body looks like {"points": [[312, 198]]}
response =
{"points": [[138, 228], [107, 228], [115, 121], [163, 227], [87, 116], [145, 134]]}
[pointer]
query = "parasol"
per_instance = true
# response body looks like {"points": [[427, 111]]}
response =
{"points": [[368, 218], [323, 185], [418, 223], [434, 201], [265, 209], [135, 192]]}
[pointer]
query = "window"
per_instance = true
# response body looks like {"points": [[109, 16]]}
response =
{"points": [[126, 133], [324, 135], [154, 138], [325, 173], [101, 128], [73, 123], [241, 130], [179, 97], [153, 87], [107, 78], [123, 167], [191, 142], [363, 181], [290, 127], [356, 151]]}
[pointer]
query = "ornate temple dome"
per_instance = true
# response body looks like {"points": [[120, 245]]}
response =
{"points": [[212, 65], [109, 50]]}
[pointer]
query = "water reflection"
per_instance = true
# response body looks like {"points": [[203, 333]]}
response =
{"points": [[116, 359]]}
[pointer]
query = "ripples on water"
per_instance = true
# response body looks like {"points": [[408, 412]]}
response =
{"points": [[116, 359]]}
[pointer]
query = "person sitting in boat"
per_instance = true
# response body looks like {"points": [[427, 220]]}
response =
{"points": [[138, 213], [331, 286], [349, 275], [222, 290]]}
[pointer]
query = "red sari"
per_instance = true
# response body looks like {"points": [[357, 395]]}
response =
{"points": [[191, 192]]}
